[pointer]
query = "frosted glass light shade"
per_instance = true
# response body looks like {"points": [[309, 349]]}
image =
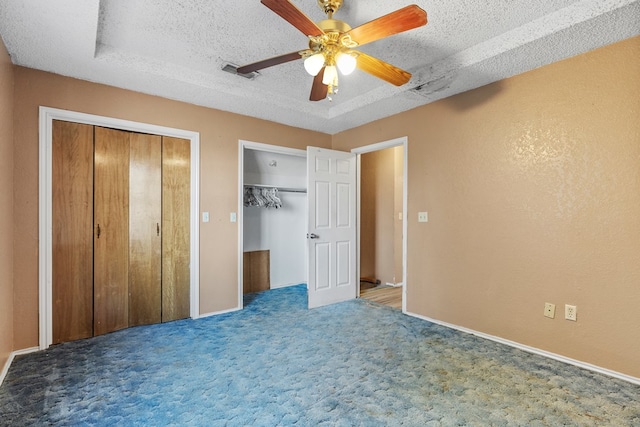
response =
{"points": [[346, 63], [314, 63], [330, 76]]}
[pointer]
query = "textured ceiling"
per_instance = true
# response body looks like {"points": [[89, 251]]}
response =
{"points": [[176, 49]]}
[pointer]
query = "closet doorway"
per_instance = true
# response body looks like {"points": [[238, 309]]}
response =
{"points": [[116, 311], [273, 217]]}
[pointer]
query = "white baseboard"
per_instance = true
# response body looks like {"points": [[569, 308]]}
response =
{"points": [[534, 350], [12, 355], [215, 313], [286, 285]]}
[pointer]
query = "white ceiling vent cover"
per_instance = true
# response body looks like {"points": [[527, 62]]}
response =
{"points": [[233, 69]]}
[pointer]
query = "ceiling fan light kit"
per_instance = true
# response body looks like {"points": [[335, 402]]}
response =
{"points": [[332, 43], [314, 63]]}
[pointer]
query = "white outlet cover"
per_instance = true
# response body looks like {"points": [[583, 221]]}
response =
{"points": [[570, 312], [423, 217]]}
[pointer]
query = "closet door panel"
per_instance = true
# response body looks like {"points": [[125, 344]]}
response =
{"points": [[176, 190], [111, 230], [145, 217], [72, 257]]}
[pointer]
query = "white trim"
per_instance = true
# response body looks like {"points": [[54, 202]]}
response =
{"points": [[358, 220], [404, 142], [258, 146], [216, 313], [534, 350], [12, 355], [46, 117]]}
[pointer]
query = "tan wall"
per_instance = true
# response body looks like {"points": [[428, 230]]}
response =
{"points": [[6, 205], [532, 185], [219, 135]]}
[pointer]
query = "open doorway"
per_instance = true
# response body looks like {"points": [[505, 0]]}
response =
{"points": [[382, 222], [272, 214]]}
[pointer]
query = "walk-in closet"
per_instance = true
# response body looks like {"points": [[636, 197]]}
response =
{"points": [[274, 220]]}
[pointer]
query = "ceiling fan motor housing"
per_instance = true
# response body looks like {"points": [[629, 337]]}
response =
{"points": [[334, 38], [334, 25]]}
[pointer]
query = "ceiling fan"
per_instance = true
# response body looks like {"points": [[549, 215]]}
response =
{"points": [[332, 45]]}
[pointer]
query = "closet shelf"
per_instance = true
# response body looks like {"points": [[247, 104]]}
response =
{"points": [[282, 189]]}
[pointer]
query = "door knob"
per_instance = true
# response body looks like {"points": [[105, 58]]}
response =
{"points": [[312, 236]]}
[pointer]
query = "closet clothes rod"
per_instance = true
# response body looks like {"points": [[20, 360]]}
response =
{"points": [[282, 189]]}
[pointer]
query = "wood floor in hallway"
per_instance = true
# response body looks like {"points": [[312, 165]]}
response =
{"points": [[391, 296]]}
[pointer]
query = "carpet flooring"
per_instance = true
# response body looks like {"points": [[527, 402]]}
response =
{"points": [[276, 363]]}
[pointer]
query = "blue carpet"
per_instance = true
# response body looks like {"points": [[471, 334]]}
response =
{"points": [[277, 363]]}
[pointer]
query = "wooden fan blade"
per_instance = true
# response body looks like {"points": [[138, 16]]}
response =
{"points": [[404, 19], [318, 90], [266, 63], [382, 70], [294, 16]]}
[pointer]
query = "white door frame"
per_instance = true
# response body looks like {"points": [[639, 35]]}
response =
{"points": [[45, 215], [404, 142], [258, 146]]}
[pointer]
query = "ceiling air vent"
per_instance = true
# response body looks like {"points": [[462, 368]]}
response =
{"points": [[233, 69]]}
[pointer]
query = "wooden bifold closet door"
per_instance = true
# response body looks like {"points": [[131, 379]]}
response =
{"points": [[175, 220], [121, 238], [72, 257], [111, 236], [145, 232]]}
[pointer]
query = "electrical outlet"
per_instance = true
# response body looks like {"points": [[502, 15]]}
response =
{"points": [[549, 310], [423, 216], [570, 312]]}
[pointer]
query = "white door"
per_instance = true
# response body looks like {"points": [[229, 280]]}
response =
{"points": [[331, 188]]}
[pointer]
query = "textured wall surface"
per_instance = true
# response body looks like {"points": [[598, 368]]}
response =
{"points": [[6, 205], [532, 185], [219, 135]]}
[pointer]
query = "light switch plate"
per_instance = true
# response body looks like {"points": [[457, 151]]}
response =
{"points": [[205, 216], [423, 216], [233, 217]]}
